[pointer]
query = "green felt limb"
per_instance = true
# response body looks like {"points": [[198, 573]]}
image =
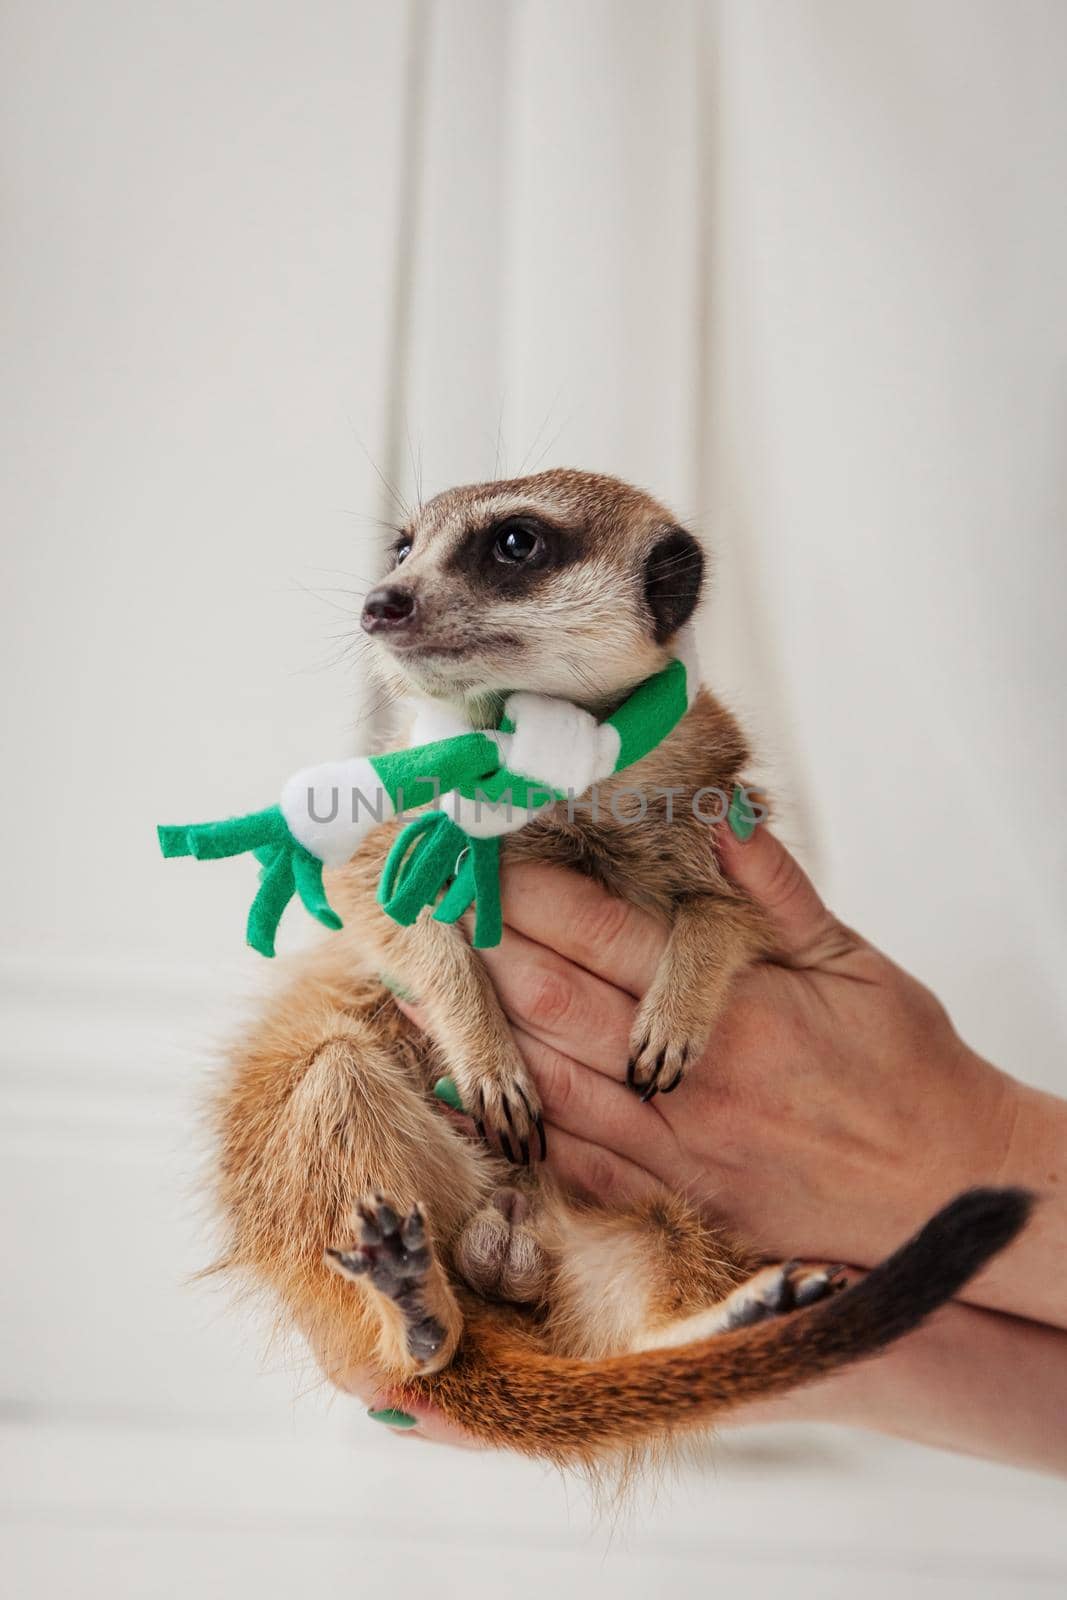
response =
{"points": [[419, 777], [422, 860], [511, 789], [307, 873], [212, 841], [275, 893], [285, 867], [488, 919], [644, 720], [173, 841], [460, 892], [476, 882], [389, 883]]}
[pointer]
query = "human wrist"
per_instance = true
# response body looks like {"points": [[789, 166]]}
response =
{"points": [[967, 1112], [1028, 1280], [996, 1106], [1035, 1149]]}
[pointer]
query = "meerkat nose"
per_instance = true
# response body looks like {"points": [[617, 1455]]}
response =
{"points": [[388, 608]]}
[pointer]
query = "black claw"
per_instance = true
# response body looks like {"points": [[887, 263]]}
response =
{"points": [[539, 1124], [505, 1145], [653, 1083], [669, 1088], [480, 1129], [524, 1152]]}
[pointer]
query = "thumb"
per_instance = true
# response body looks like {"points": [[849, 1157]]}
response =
{"points": [[806, 932]]}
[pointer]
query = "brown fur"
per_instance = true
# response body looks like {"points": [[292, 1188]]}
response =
{"points": [[565, 1350]]}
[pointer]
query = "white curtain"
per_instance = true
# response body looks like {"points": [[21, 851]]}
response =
{"points": [[798, 267]]}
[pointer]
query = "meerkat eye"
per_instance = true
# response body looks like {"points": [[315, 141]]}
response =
{"points": [[401, 550], [516, 542]]}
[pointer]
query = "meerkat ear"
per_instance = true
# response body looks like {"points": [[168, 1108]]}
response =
{"points": [[674, 572]]}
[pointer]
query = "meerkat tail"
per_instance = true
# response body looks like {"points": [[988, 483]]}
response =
{"points": [[506, 1393]]}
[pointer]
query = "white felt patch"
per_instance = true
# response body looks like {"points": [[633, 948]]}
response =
{"points": [[435, 720], [608, 745], [484, 821], [554, 742], [330, 809]]}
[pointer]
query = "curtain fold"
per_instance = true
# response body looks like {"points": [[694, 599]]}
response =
{"points": [[799, 270]]}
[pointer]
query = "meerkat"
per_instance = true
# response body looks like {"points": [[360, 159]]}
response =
{"points": [[455, 1270]]}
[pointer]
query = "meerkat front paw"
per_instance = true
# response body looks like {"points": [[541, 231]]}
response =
{"points": [[663, 1046], [500, 1255], [505, 1108], [393, 1254], [711, 940]]}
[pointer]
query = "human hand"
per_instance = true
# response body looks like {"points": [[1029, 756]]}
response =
{"points": [[834, 1110], [385, 1406]]}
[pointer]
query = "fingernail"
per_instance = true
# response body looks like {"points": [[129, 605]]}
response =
{"points": [[740, 816], [393, 1418], [445, 1090], [395, 988]]}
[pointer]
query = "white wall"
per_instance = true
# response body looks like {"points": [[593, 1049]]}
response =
{"points": [[799, 268]]}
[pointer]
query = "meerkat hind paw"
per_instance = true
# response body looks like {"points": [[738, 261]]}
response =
{"points": [[776, 1291], [393, 1253]]}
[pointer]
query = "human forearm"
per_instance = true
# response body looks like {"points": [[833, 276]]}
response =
{"points": [[972, 1381]]}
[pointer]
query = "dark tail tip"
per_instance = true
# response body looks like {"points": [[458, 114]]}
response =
{"points": [[930, 1269], [975, 1226]]}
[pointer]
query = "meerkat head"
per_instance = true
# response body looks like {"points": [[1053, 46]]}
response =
{"points": [[565, 583]]}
